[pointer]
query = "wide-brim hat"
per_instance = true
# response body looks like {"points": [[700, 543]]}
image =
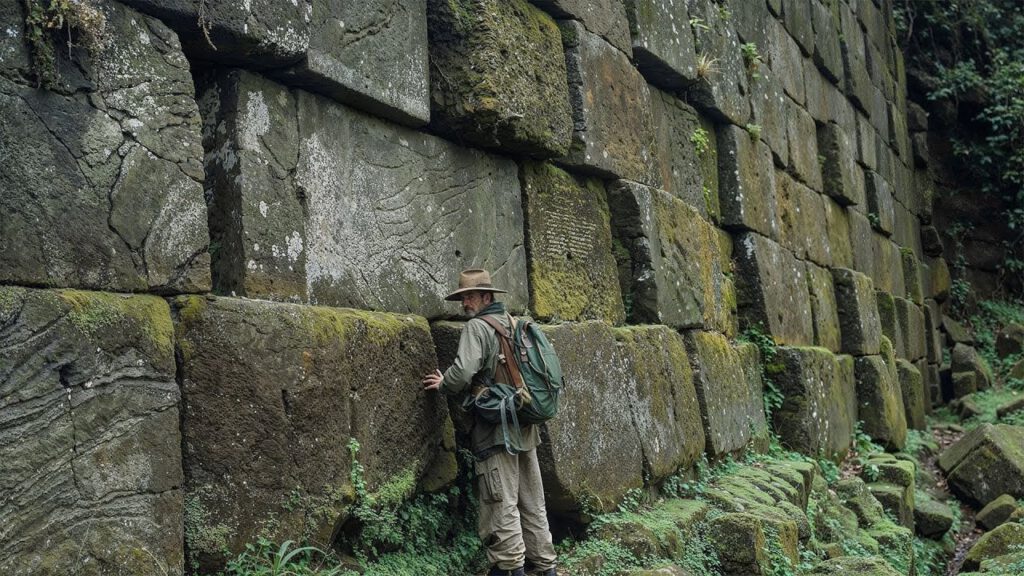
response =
{"points": [[473, 280]]}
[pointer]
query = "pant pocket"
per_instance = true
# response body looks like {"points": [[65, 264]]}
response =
{"points": [[490, 483]]}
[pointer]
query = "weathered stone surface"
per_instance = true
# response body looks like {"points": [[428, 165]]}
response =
{"points": [[840, 173], [932, 519], [1005, 539], [742, 541], [1010, 340], [746, 182], [891, 327], [572, 270], [818, 412], [880, 203], [964, 384], [798, 19], [910, 317], [722, 89], [1010, 406], [263, 382], [613, 126], [89, 438], [772, 290], [941, 281], [828, 53], [606, 18], [803, 146], [887, 267], [864, 566], [912, 388], [675, 276], [689, 165], [956, 332], [768, 104], [824, 309], [880, 402], [859, 322], [966, 359], [867, 142], [261, 34], [857, 83], [330, 206], [656, 432], [997, 511], [912, 277], [803, 227], [931, 241], [787, 62], [898, 501], [986, 463], [498, 76], [663, 45], [731, 405], [372, 55], [103, 176], [837, 223]]}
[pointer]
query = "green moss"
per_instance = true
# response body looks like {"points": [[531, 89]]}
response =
{"points": [[201, 535], [95, 312]]}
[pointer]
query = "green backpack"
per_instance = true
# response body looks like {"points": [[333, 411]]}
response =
{"points": [[528, 378]]}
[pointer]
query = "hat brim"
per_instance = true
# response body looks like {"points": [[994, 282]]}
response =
{"points": [[454, 296]]}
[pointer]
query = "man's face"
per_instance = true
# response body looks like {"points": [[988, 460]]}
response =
{"points": [[472, 303]]}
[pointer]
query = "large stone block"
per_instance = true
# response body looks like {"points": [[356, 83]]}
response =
{"points": [[857, 83], [606, 18], [819, 411], [689, 165], [798, 19], [613, 126], [498, 76], [933, 336], [746, 182], [804, 228], [910, 317], [880, 402], [880, 203], [837, 222], [787, 62], [986, 463], [965, 359], [801, 133], [89, 439], [273, 393], [731, 403], [573, 275], [675, 275], [914, 395], [722, 89], [260, 33], [828, 52], [824, 308], [887, 265], [891, 327], [859, 322], [103, 175], [632, 410], [772, 290], [912, 276], [841, 175], [663, 46], [330, 206], [768, 103], [372, 55], [862, 242]]}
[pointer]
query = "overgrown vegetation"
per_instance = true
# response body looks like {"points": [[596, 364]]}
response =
{"points": [[970, 54], [990, 318], [55, 24]]}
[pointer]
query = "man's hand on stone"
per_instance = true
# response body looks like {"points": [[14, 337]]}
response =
{"points": [[433, 380]]}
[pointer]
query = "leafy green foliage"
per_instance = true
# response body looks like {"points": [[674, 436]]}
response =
{"points": [[701, 141], [990, 318], [773, 397], [267, 559]]}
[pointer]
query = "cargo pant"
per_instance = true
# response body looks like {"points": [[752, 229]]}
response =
{"points": [[513, 521]]}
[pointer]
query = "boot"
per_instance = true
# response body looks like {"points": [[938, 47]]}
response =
{"points": [[495, 571], [548, 572]]}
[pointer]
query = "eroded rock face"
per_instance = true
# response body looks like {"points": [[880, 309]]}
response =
{"points": [[987, 463], [89, 438], [273, 393], [819, 409], [329, 206], [103, 175]]}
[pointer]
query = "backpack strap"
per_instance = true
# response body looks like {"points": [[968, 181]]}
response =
{"points": [[506, 356]]}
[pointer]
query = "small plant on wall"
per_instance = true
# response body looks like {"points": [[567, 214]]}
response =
{"points": [[51, 25]]}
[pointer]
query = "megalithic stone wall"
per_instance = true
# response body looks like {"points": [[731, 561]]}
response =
{"points": [[652, 179]]}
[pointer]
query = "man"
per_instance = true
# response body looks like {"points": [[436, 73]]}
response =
{"points": [[513, 522]]}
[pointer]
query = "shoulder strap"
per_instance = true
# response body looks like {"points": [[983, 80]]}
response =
{"points": [[506, 357]]}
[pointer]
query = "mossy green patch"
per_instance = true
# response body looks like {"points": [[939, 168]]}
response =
{"points": [[93, 313]]}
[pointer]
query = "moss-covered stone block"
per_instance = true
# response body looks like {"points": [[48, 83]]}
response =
{"points": [[828, 54], [675, 273], [89, 433], [933, 336], [802, 219], [880, 203], [606, 18], [912, 277], [265, 381], [723, 90], [840, 180], [862, 239], [859, 321], [689, 166], [886, 266], [663, 44], [1005, 539], [750, 544], [772, 290], [910, 318], [732, 406], [914, 395], [964, 384], [498, 76], [818, 414], [932, 518], [891, 327], [986, 463], [572, 270], [966, 359], [787, 62], [801, 132], [837, 226], [997, 511], [898, 501], [746, 183], [613, 125], [880, 402], [864, 566], [824, 309]]}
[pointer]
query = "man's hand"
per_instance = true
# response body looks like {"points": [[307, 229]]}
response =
{"points": [[433, 380]]}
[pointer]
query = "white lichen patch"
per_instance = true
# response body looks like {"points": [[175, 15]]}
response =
{"points": [[255, 122]]}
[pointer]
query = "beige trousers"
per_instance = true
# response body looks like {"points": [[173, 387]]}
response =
{"points": [[513, 521]]}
